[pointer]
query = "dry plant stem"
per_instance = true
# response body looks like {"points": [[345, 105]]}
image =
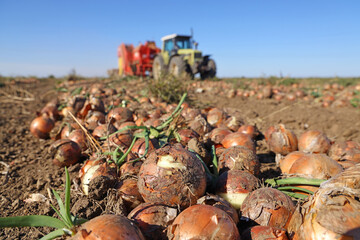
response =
{"points": [[6, 172], [91, 138], [26, 99]]}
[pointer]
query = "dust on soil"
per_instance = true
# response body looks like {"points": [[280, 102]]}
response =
{"points": [[31, 171]]}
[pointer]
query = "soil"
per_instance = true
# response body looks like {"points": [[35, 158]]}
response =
{"points": [[27, 169]]}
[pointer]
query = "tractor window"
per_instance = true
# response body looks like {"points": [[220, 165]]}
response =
{"points": [[183, 43], [169, 45]]}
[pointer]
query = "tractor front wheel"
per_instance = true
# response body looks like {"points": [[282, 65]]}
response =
{"points": [[177, 66], [158, 67]]}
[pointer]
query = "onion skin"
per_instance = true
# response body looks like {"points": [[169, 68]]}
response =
{"points": [[92, 188], [219, 202], [239, 158], [234, 123], [65, 152], [332, 212], [173, 176], [268, 207], [264, 233], [317, 166], [281, 140], [129, 192], [288, 160], [153, 219], [238, 139], [41, 126], [203, 222], [314, 141], [115, 227], [131, 168], [235, 185]]}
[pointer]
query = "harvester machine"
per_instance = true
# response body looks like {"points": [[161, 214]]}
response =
{"points": [[137, 61]]}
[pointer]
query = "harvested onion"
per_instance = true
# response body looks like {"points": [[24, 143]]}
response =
{"points": [[203, 222], [281, 140], [41, 126], [115, 227], [314, 141], [173, 176], [268, 207]]}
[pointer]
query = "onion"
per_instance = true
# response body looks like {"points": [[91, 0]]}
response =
{"points": [[103, 130], [341, 151], [219, 202], [94, 119], [218, 134], [140, 146], [288, 160], [250, 130], [65, 152], [215, 117], [317, 166], [332, 212], [267, 207], [234, 122], [153, 219], [79, 137], [173, 176], [94, 160], [108, 226], [203, 222], [282, 140], [123, 139], [186, 135], [264, 233], [120, 114], [131, 168], [97, 104], [235, 185], [41, 126], [51, 110], [98, 179], [239, 158], [314, 141], [200, 125], [238, 139], [129, 192]]}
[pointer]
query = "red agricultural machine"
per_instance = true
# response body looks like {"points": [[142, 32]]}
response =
{"points": [[137, 61]]}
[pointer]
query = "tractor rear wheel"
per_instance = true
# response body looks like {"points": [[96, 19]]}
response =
{"points": [[210, 70], [177, 66], [158, 67]]}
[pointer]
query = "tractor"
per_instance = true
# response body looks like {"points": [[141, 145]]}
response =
{"points": [[179, 58]]}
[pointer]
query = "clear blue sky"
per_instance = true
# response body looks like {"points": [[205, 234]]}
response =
{"points": [[246, 38]]}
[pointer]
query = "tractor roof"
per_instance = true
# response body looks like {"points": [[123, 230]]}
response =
{"points": [[171, 36]]}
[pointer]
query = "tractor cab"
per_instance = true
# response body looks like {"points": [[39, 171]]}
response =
{"points": [[173, 42], [178, 45]]}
